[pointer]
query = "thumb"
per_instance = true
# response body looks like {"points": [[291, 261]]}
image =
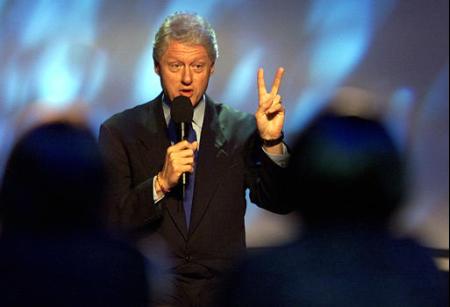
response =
{"points": [[195, 145], [264, 107]]}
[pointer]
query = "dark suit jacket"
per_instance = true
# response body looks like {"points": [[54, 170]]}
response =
{"points": [[230, 161]]}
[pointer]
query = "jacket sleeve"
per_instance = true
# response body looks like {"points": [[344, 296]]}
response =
{"points": [[130, 205], [265, 178]]}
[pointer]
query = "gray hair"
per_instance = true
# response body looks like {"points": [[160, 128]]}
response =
{"points": [[187, 28]]}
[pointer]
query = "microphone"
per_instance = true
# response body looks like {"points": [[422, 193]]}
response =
{"points": [[181, 112]]}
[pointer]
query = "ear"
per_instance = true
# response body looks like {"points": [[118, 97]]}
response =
{"points": [[211, 71], [157, 69]]}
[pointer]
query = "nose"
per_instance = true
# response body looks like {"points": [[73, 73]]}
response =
{"points": [[186, 77]]}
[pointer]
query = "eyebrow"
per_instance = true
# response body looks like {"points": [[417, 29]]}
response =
{"points": [[198, 59]]}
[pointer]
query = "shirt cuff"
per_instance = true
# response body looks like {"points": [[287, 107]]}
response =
{"points": [[156, 199], [280, 160]]}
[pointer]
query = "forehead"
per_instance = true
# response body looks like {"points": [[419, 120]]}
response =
{"points": [[183, 51]]}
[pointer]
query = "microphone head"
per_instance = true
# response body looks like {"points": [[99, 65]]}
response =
{"points": [[181, 110]]}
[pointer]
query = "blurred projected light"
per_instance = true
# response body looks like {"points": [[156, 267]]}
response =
{"points": [[62, 72], [311, 101], [437, 97], [62, 18], [203, 8], [58, 80], [341, 32], [57, 37], [434, 133], [398, 117], [2, 3], [41, 23], [147, 81], [15, 88], [95, 63], [243, 79], [336, 55], [6, 139], [430, 153]]}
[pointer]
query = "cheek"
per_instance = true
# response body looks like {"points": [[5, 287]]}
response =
{"points": [[203, 81], [166, 76], [168, 80]]}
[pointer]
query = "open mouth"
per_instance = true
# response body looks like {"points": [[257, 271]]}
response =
{"points": [[186, 92]]}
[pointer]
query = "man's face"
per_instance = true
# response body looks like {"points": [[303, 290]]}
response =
{"points": [[185, 70]]}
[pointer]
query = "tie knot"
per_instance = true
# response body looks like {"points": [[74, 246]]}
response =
{"points": [[175, 133]]}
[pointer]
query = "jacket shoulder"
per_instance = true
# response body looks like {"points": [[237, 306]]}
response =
{"points": [[128, 117], [239, 122]]}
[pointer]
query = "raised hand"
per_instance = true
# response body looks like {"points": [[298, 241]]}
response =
{"points": [[270, 114]]}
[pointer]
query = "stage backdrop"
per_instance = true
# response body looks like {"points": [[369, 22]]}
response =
{"points": [[97, 54]]}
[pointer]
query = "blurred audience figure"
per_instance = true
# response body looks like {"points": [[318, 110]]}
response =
{"points": [[53, 249], [347, 180]]}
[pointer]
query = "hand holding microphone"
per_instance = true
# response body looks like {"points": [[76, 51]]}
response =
{"points": [[180, 157]]}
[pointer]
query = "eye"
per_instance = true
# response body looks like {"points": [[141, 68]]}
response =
{"points": [[198, 67], [175, 66]]}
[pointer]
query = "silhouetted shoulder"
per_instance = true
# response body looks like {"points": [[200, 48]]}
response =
{"points": [[337, 269]]}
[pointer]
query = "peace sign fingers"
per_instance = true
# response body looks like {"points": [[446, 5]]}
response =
{"points": [[261, 84], [277, 81], [270, 113], [262, 90]]}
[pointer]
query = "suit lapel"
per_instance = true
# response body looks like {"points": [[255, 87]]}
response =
{"points": [[213, 160], [155, 143], [154, 137]]}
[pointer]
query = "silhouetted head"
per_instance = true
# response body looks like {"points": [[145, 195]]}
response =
{"points": [[345, 170], [54, 180]]}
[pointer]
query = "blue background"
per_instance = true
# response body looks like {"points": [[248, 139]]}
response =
{"points": [[97, 54]]}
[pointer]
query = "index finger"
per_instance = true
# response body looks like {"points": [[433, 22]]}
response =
{"points": [[261, 83], [277, 81], [182, 145]]}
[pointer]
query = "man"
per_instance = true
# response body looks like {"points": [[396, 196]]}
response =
{"points": [[351, 179], [54, 250], [231, 151]]}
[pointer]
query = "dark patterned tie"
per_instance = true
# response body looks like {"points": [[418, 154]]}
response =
{"points": [[190, 178]]}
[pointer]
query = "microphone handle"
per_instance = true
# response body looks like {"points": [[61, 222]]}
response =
{"points": [[183, 176], [183, 180]]}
